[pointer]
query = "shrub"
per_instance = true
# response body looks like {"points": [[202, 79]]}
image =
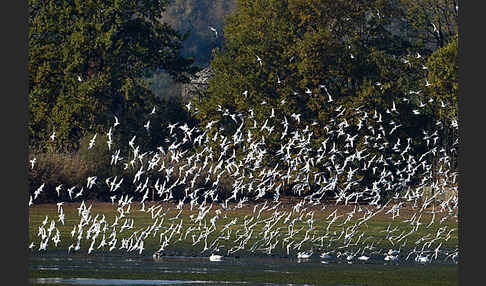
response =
{"points": [[53, 169]]}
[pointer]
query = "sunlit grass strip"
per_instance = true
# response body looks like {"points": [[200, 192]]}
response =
{"points": [[372, 231]]}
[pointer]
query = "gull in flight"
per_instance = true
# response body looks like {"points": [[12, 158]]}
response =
{"points": [[58, 189], [147, 125], [296, 117], [109, 142], [405, 61], [132, 142], [92, 141], [116, 122], [70, 192], [214, 30], [259, 60], [38, 191], [32, 162], [171, 127], [323, 86], [435, 28], [394, 108]]}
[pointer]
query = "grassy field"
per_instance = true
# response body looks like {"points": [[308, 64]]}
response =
{"points": [[331, 274], [374, 227]]}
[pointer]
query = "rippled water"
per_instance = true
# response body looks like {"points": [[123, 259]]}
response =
{"points": [[133, 282], [173, 264], [91, 281]]}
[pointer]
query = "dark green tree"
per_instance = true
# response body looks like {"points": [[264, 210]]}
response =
{"points": [[293, 56], [443, 85], [443, 66], [87, 64], [431, 23], [308, 49]]}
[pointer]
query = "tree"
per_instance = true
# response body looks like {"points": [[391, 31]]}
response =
{"points": [[432, 23], [309, 51], [443, 66], [321, 62], [88, 61]]}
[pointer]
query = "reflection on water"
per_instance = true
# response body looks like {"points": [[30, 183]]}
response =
{"points": [[177, 264], [90, 281], [133, 282]]}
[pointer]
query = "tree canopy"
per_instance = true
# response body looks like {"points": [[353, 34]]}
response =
{"points": [[308, 54], [431, 23], [306, 62], [443, 77], [88, 61]]}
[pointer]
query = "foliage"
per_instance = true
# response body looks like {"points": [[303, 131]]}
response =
{"points": [[328, 48], [53, 169], [443, 78], [432, 23], [286, 58], [163, 86], [87, 62], [307, 58]]}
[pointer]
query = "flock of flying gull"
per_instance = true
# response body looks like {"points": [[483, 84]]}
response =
{"points": [[333, 167]]}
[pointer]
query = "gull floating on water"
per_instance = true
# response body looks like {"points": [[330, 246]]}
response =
{"points": [[304, 255], [215, 257]]}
